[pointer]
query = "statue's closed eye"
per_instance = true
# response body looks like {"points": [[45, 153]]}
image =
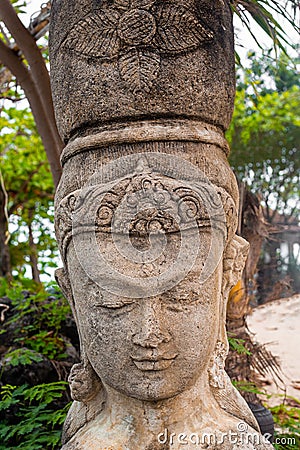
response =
{"points": [[109, 301], [178, 299], [126, 306]]}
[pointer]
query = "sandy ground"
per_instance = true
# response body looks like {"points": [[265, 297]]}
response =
{"points": [[277, 324]]}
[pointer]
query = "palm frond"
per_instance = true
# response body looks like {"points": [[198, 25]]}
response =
{"points": [[264, 13]]}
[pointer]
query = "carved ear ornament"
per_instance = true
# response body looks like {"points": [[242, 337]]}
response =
{"points": [[217, 375], [234, 261], [84, 382], [63, 221]]}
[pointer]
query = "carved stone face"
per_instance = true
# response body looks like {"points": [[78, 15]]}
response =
{"points": [[149, 348]]}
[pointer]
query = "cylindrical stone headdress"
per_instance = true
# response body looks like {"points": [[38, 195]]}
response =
{"points": [[133, 76]]}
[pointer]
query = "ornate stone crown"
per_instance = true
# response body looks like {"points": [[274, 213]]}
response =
{"points": [[144, 203]]}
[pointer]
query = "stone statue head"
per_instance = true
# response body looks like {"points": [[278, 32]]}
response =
{"points": [[150, 253]]}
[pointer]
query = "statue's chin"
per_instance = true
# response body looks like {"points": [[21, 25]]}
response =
{"points": [[149, 391]]}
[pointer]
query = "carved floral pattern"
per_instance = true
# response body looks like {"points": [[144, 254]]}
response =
{"points": [[151, 206], [143, 204], [137, 33]]}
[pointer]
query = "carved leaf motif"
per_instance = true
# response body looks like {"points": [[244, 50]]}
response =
{"points": [[142, 4], [122, 4], [179, 29], [139, 68], [96, 35]]}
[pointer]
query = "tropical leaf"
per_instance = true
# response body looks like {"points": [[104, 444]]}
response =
{"points": [[264, 13], [96, 35], [179, 29], [139, 68]]}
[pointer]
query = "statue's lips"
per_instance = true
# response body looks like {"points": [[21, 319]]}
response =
{"points": [[154, 363]]}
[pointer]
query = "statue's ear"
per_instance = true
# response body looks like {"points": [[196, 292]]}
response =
{"points": [[63, 281], [234, 260]]}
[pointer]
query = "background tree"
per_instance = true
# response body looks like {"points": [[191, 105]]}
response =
{"points": [[29, 196], [20, 53], [265, 136]]}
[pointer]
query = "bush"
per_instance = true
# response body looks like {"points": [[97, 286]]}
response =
{"points": [[37, 353]]}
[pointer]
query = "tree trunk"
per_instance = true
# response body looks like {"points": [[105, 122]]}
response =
{"points": [[254, 229], [5, 267], [33, 252], [35, 83]]}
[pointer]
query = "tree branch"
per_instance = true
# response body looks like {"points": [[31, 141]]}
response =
{"points": [[11, 60], [28, 47], [39, 72], [5, 263]]}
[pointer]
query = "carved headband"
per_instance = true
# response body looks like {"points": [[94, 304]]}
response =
{"points": [[147, 131], [142, 204]]}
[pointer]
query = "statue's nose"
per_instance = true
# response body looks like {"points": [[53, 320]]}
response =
{"points": [[152, 328]]}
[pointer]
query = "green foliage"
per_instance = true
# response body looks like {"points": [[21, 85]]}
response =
{"points": [[37, 422], [37, 318], [247, 386], [238, 345], [20, 6], [265, 137], [265, 13], [30, 190], [287, 420], [264, 74], [31, 417], [22, 356], [265, 133]]}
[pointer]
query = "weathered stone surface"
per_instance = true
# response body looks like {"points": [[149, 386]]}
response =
{"points": [[153, 339], [120, 61], [146, 215]]}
